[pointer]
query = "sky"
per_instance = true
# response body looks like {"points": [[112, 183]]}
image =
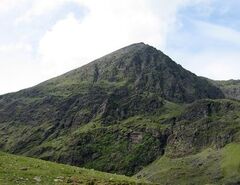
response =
{"points": [[43, 39]]}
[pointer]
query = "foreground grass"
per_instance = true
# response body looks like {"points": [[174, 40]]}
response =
{"points": [[230, 163], [16, 170], [210, 166]]}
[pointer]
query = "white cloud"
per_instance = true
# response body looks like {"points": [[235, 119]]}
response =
{"points": [[109, 25], [7, 5], [17, 67], [209, 50], [221, 70], [39, 8], [211, 63], [218, 32], [16, 47]]}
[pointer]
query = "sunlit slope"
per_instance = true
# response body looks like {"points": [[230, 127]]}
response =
{"points": [[209, 166], [16, 170]]}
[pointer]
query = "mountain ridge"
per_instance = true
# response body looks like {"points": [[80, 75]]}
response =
{"points": [[119, 114]]}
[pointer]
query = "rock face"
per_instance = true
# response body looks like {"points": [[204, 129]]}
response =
{"points": [[116, 114], [205, 123], [202, 146], [230, 88]]}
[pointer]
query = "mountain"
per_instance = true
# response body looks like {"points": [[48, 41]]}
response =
{"points": [[28, 171], [203, 148], [230, 88], [123, 113]]}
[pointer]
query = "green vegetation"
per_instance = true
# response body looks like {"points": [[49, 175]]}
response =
{"points": [[121, 113], [15, 170], [210, 166], [231, 161], [230, 88], [202, 168]]}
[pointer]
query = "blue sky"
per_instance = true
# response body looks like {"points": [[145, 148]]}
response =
{"points": [[43, 39], [207, 40]]}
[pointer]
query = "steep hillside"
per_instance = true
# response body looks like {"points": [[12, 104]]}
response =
{"points": [[22, 170], [210, 166], [203, 147], [230, 88], [113, 114]]}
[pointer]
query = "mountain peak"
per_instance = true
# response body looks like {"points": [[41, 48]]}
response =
{"points": [[142, 68], [137, 45], [132, 49]]}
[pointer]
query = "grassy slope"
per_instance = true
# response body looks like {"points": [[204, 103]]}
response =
{"points": [[111, 144], [23, 170], [231, 88], [204, 148], [216, 122], [210, 166]]}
